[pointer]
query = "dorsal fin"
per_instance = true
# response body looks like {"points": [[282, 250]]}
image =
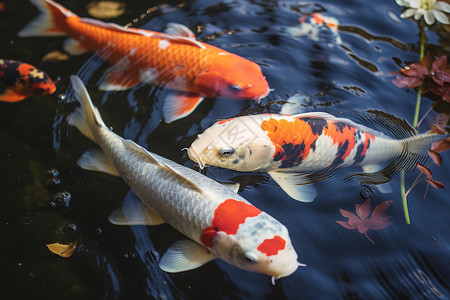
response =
{"points": [[329, 117], [146, 33], [153, 160], [397, 127]]}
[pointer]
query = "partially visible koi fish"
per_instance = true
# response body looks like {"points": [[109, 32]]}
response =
{"points": [[317, 27], [297, 150], [174, 59], [20, 80], [218, 222]]}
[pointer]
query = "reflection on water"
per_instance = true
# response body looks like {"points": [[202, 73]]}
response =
{"points": [[114, 262]]}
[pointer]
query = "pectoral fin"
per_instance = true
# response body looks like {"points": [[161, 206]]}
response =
{"points": [[95, 160], [295, 185], [384, 188], [179, 105], [74, 47], [134, 212], [11, 95], [185, 255], [118, 77]]}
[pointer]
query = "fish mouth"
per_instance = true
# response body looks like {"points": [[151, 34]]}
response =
{"points": [[195, 157], [262, 95]]}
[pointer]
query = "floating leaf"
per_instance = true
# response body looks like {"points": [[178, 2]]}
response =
{"points": [[360, 221], [425, 171], [441, 146], [106, 9], [440, 71], [62, 249], [55, 56], [436, 157]]}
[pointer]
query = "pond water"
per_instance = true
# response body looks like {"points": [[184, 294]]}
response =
{"points": [[343, 77]]}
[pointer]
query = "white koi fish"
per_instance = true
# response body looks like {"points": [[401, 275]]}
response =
{"points": [[218, 222], [297, 150]]}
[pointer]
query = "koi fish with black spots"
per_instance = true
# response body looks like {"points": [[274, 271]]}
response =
{"points": [[297, 150], [174, 59], [20, 80], [218, 222]]}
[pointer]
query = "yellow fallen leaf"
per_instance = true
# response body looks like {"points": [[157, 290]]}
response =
{"points": [[106, 9], [62, 250], [55, 56]]}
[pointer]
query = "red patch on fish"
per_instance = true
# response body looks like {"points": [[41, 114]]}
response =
{"points": [[368, 137], [224, 121], [228, 216], [272, 246], [341, 135], [295, 139]]}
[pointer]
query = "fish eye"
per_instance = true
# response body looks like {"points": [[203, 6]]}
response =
{"points": [[235, 87], [250, 257], [226, 152]]}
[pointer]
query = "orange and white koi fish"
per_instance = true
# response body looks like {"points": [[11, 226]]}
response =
{"points": [[297, 150], [174, 59], [317, 27], [20, 80], [218, 222]]}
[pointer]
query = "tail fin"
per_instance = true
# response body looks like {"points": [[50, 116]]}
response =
{"points": [[414, 149], [49, 22], [422, 142], [86, 118]]}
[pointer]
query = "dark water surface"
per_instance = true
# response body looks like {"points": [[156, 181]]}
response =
{"points": [[112, 262]]}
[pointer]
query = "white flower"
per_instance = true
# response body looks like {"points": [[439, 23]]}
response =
{"points": [[430, 9]]}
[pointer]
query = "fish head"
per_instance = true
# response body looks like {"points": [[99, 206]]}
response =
{"points": [[231, 76], [238, 144], [259, 243]]}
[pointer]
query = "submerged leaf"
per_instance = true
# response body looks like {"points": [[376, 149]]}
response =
{"points": [[439, 123], [62, 249], [441, 146], [436, 157], [434, 183], [425, 171], [106, 9], [378, 220]]}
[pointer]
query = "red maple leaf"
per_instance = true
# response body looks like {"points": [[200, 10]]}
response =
{"points": [[361, 221]]}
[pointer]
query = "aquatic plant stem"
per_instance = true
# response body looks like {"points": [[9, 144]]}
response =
{"points": [[422, 53], [404, 200], [416, 118]]}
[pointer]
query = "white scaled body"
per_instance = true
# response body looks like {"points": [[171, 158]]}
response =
{"points": [[217, 221]]}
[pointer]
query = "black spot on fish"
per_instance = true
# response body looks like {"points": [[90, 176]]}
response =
{"points": [[359, 156], [316, 125], [292, 155], [341, 126], [340, 153]]}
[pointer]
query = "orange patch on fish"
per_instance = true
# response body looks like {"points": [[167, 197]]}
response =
{"points": [[289, 132]]}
